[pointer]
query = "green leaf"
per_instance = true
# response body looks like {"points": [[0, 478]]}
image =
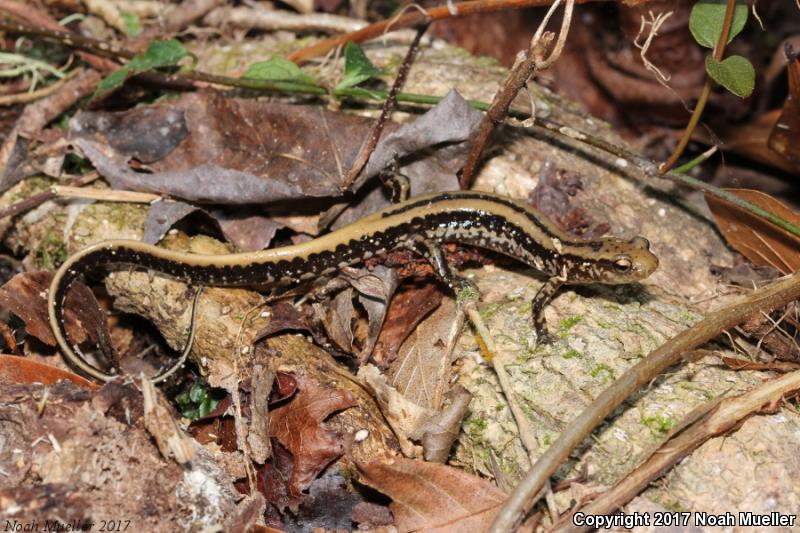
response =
{"points": [[198, 401], [278, 69], [197, 393], [357, 67], [158, 54], [735, 73], [708, 17]]}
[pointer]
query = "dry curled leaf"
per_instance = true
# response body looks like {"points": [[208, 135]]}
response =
{"points": [[762, 242], [433, 497], [299, 426], [25, 295]]}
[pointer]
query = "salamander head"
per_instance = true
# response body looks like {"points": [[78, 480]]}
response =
{"points": [[619, 261]]}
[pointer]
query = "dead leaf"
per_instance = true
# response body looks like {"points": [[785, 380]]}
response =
{"points": [[299, 426], [273, 482], [443, 430], [436, 429], [371, 515], [375, 287], [750, 140], [25, 295], [211, 148], [760, 241], [338, 317], [258, 434], [283, 317], [421, 371], [15, 369], [434, 497], [408, 308]]}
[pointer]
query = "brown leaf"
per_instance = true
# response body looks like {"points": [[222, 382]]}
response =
{"points": [[434, 497], [283, 317], [216, 149], [25, 295], [375, 287], [408, 308], [760, 241], [299, 426], [15, 369]]}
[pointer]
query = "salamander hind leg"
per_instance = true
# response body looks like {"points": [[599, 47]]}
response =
{"points": [[539, 302], [398, 185]]}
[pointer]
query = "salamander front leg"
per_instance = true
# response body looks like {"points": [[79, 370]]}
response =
{"points": [[539, 302], [433, 253]]}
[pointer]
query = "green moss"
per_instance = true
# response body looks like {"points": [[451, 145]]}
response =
{"points": [[642, 331], [476, 427], [489, 310], [467, 293], [28, 188], [602, 324], [657, 424], [125, 216], [571, 354], [566, 324], [602, 368], [51, 252]]}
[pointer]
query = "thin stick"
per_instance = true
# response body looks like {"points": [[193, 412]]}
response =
{"points": [[388, 106], [106, 195]]}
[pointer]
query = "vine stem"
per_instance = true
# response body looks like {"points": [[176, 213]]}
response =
{"points": [[701, 103]]}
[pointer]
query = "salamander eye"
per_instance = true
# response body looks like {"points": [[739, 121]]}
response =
{"points": [[622, 263]]}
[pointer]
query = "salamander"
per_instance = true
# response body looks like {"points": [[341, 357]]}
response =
{"points": [[420, 224]]}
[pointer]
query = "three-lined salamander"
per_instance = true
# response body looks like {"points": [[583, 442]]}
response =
{"points": [[420, 224]]}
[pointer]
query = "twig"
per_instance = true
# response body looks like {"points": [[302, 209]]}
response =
{"points": [[701, 103], [388, 105], [669, 353], [526, 433], [106, 195], [38, 199], [533, 61], [32, 96]]}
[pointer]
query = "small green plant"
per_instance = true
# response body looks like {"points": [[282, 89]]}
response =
{"points": [[357, 67], [198, 401], [707, 22], [159, 54]]}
